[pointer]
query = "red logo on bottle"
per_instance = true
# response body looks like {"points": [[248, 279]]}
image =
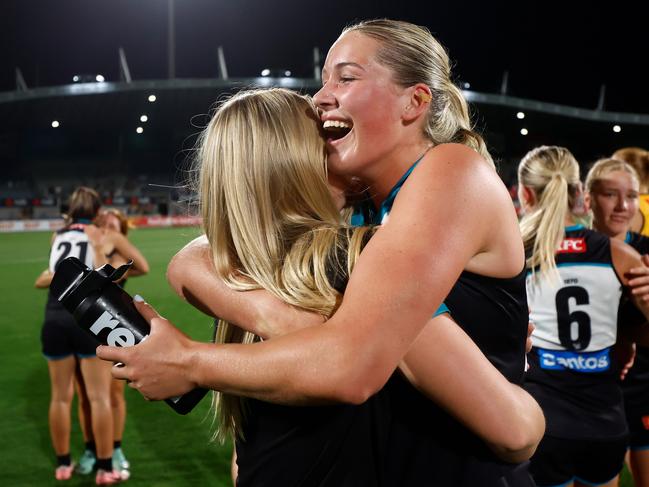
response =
{"points": [[572, 246]]}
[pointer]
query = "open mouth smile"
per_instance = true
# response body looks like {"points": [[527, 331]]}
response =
{"points": [[336, 129]]}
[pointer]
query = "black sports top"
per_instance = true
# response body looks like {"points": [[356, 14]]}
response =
{"points": [[636, 384], [572, 373], [427, 446], [321, 446]]}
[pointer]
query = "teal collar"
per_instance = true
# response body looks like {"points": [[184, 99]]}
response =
{"points": [[386, 206], [574, 228]]}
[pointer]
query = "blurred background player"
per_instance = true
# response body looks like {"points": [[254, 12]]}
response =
{"points": [[574, 283], [612, 189], [112, 221], [639, 159], [65, 343]]}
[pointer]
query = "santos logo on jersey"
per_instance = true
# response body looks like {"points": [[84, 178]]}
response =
{"points": [[579, 362], [572, 246]]}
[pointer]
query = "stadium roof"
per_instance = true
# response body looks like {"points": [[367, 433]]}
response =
{"points": [[559, 52]]}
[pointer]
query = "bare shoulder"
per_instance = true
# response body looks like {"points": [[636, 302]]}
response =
{"points": [[459, 170]]}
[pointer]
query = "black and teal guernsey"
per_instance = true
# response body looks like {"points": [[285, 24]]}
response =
{"points": [[427, 446], [572, 374], [636, 384]]}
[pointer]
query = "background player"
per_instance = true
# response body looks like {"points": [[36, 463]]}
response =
{"points": [[574, 287]]}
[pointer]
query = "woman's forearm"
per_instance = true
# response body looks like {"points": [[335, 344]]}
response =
{"points": [[192, 276], [459, 378]]}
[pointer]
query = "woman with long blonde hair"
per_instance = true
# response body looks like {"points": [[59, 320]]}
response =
{"points": [[575, 281]]}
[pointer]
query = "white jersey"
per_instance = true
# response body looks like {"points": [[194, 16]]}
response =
{"points": [[71, 241], [578, 312]]}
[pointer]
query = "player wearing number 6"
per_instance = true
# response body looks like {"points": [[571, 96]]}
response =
{"points": [[575, 281]]}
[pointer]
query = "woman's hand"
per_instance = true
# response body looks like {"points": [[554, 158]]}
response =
{"points": [[157, 367], [639, 280]]}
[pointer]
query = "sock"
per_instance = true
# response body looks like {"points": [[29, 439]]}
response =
{"points": [[104, 464], [117, 444], [63, 460], [90, 445]]}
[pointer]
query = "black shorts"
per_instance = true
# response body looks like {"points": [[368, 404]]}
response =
{"points": [[560, 461], [638, 421], [61, 336]]}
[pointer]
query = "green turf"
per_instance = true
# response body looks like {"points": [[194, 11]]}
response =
{"points": [[164, 448]]}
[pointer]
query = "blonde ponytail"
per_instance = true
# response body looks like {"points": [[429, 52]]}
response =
{"points": [[552, 173]]}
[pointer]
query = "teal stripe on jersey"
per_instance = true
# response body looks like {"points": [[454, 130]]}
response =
{"points": [[574, 228], [441, 310], [584, 264]]}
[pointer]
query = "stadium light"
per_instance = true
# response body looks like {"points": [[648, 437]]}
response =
{"points": [[617, 129], [143, 118], [287, 73], [466, 85], [75, 78], [100, 78], [265, 72], [524, 131], [139, 130], [520, 115], [55, 124], [152, 98]]}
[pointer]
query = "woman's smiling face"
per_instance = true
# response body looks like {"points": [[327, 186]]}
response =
{"points": [[614, 201], [360, 105]]}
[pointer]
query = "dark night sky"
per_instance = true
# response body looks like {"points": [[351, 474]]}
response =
{"points": [[552, 52]]}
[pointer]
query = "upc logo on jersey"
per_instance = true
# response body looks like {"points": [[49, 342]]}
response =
{"points": [[119, 336], [572, 246], [578, 361]]}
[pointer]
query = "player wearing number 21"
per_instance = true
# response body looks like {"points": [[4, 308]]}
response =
{"points": [[576, 277]]}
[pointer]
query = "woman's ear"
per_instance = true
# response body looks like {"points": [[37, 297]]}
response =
{"points": [[526, 197], [418, 101], [587, 201]]}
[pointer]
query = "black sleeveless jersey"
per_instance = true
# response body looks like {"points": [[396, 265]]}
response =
{"points": [[572, 374], [636, 384], [340, 445], [429, 447]]}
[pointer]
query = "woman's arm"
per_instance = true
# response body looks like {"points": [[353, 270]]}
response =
{"points": [[628, 264], [128, 251], [397, 284], [44, 279], [460, 379], [192, 275]]}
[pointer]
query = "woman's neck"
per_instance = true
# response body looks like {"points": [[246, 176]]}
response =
{"points": [[617, 236], [385, 174]]}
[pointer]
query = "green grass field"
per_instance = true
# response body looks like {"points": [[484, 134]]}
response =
{"points": [[165, 449]]}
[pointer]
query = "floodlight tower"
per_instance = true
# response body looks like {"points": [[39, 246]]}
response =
{"points": [[171, 39]]}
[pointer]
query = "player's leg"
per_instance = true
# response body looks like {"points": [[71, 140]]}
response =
{"points": [[62, 390], [88, 458], [97, 378], [118, 406], [639, 465]]}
